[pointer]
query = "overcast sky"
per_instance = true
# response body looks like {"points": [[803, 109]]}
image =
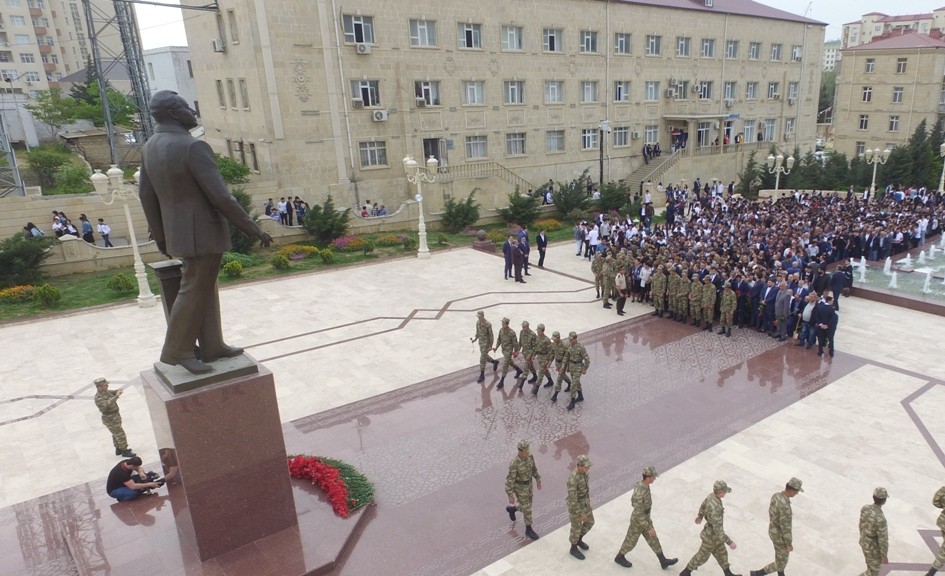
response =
{"points": [[163, 26]]}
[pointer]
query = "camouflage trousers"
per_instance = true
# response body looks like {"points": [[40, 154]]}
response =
{"points": [[575, 383], [609, 287], [544, 365], [708, 314], [484, 357], [940, 557], [726, 319], [780, 558], [113, 423], [658, 302], [634, 532], [695, 312], [599, 283], [506, 362], [873, 561], [716, 549], [682, 306], [523, 500], [578, 528], [529, 360], [562, 375]]}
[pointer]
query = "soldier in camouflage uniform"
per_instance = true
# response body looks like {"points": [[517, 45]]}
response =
{"points": [[518, 486], [874, 534], [780, 521], [508, 342], [709, 296], [682, 296], [576, 363], [673, 285], [714, 538], [695, 301], [107, 403], [641, 524], [939, 502], [544, 353], [579, 506], [658, 289], [559, 348], [485, 338], [610, 279], [527, 340], [597, 267], [727, 309]]}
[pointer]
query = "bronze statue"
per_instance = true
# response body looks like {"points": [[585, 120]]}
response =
{"points": [[187, 206]]}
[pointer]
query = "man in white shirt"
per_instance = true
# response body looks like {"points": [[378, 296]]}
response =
{"points": [[593, 238], [104, 230]]}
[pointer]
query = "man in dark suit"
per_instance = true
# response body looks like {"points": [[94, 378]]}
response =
{"points": [[837, 281], [542, 242], [507, 249], [525, 246], [187, 206], [518, 260], [769, 297], [826, 319]]}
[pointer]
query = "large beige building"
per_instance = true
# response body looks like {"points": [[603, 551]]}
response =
{"points": [[876, 24], [323, 97], [885, 88]]}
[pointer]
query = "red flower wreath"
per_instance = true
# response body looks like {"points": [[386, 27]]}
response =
{"points": [[327, 477]]}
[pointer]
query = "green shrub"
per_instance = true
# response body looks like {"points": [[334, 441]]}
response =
{"points": [[16, 294], [71, 179], [279, 261], [247, 260], [241, 242], [498, 236], [613, 195], [548, 225], [121, 283], [349, 244], [387, 240], [327, 256], [442, 240], [21, 258], [233, 269], [368, 247], [522, 210], [45, 160], [458, 215], [409, 243], [568, 198], [324, 223], [297, 251], [47, 295]]}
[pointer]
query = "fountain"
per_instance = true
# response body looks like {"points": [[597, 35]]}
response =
{"points": [[941, 241], [921, 259], [932, 251], [862, 269], [887, 267], [928, 280], [893, 280]]}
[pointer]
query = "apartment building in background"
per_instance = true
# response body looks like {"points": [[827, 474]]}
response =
{"points": [[831, 54], [876, 24], [169, 68]]}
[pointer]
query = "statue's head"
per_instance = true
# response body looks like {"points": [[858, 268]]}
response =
{"points": [[168, 107]]}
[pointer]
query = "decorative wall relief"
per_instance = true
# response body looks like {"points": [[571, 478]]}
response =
{"points": [[301, 79], [475, 119]]}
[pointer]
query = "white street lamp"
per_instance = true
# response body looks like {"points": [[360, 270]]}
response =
{"points": [[875, 157], [113, 184], [417, 174], [941, 181], [776, 167]]}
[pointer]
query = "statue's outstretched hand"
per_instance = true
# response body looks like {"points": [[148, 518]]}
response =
{"points": [[265, 240]]}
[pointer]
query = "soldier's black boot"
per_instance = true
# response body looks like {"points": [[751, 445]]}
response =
{"points": [[531, 533], [495, 365], [580, 397], [568, 389], [686, 572], [666, 562], [728, 332], [622, 560], [576, 553], [117, 451], [728, 572], [931, 572], [757, 573], [127, 453], [521, 384], [571, 404], [482, 376], [518, 372], [511, 510], [554, 397], [534, 377], [721, 331], [549, 382], [781, 573], [501, 383], [535, 389]]}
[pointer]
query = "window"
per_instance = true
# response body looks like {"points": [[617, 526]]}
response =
{"points": [[244, 94], [359, 29], [373, 154], [8, 74], [682, 90], [867, 93], [705, 90], [17, 20], [515, 144], [749, 131], [621, 136], [551, 40], [588, 41], [789, 126], [554, 92], [683, 44], [23, 39], [234, 31], [653, 45], [775, 52], [768, 129], [589, 139], [708, 48], [792, 90], [473, 92], [512, 38], [30, 58], [728, 90], [774, 89], [13, 3], [651, 90], [252, 155], [901, 65], [367, 91], [897, 95], [751, 91], [515, 92], [476, 147], [622, 91], [221, 95], [190, 69], [860, 148], [470, 35], [588, 91], [622, 43], [702, 133], [796, 53], [864, 121], [754, 51], [651, 134], [422, 33], [870, 65], [221, 34], [554, 141], [427, 91], [31, 76], [894, 123], [231, 91], [731, 49]]}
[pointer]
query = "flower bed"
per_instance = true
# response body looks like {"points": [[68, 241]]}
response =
{"points": [[16, 294], [297, 251], [548, 225], [346, 488], [349, 244]]}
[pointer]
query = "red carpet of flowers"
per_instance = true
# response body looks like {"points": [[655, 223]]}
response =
{"points": [[346, 488]]}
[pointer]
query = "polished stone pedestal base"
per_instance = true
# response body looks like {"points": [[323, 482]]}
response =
{"points": [[222, 446]]}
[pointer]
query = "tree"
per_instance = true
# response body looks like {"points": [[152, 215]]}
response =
{"points": [[522, 210], [20, 259], [82, 91], [458, 215], [233, 172], [72, 179], [828, 87], [613, 195], [240, 241], [123, 109], [570, 199], [45, 160], [752, 171], [52, 110], [324, 223]]}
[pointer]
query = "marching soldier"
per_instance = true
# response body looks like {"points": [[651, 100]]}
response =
{"points": [[527, 340], [576, 363], [107, 403], [579, 506], [485, 338], [543, 357], [559, 348], [874, 534], [939, 502], [714, 538], [641, 524], [780, 520], [727, 309], [508, 342], [518, 486]]}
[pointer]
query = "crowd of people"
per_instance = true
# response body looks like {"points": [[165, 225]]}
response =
{"points": [[288, 211], [62, 226]]}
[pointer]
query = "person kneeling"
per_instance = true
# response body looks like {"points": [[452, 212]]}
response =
{"points": [[127, 481]]}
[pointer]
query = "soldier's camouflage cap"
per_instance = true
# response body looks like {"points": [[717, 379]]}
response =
{"points": [[480, 313], [572, 334], [795, 484], [540, 327], [505, 320], [101, 382], [583, 460], [880, 493], [721, 486], [650, 471], [556, 334], [524, 323], [523, 445]]}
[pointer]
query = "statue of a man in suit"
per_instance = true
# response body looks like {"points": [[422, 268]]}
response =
{"points": [[187, 206]]}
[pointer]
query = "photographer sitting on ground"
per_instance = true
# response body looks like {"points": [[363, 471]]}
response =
{"points": [[125, 480]]}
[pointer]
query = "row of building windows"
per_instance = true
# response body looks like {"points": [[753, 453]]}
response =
{"points": [[359, 29], [24, 39], [901, 65], [893, 125], [373, 154], [367, 93], [230, 90], [244, 152], [896, 94]]}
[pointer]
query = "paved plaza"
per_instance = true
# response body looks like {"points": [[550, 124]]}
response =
{"points": [[373, 365]]}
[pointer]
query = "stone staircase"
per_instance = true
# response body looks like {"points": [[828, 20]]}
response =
{"points": [[488, 169], [653, 171]]}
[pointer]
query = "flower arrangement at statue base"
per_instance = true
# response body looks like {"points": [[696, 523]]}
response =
{"points": [[346, 488]]}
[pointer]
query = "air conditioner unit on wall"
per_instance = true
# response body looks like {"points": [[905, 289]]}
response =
{"points": [[792, 101], [673, 82], [362, 48], [775, 96], [635, 135], [379, 116], [729, 102], [357, 103], [421, 103], [670, 93], [218, 45]]}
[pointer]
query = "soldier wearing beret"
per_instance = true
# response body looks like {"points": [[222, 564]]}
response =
{"points": [[874, 534], [579, 507], [714, 538], [518, 486], [780, 522], [641, 524]]}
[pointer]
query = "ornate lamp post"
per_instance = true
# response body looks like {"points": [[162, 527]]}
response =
{"points": [[113, 184], [941, 181], [417, 174], [776, 167], [875, 157]]}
